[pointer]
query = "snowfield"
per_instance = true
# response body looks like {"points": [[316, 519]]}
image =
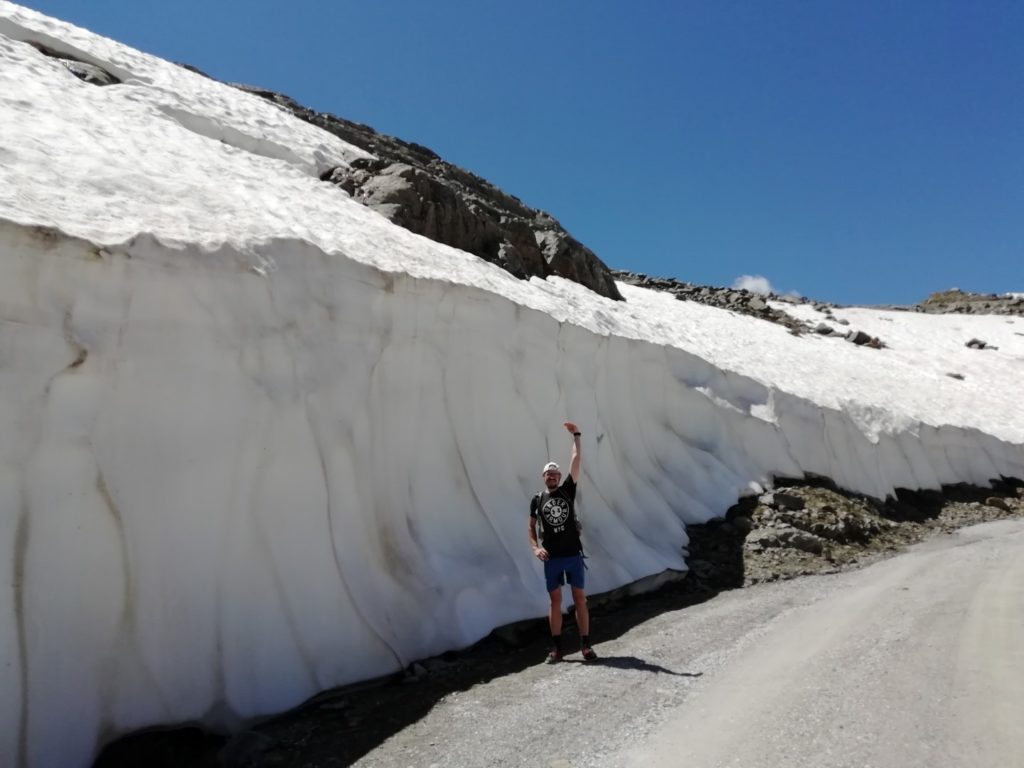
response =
{"points": [[256, 441]]}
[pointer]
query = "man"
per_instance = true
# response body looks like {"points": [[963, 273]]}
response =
{"points": [[553, 511]]}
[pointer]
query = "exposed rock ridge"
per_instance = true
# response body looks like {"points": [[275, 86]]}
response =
{"points": [[756, 305], [809, 525], [957, 302], [953, 301], [734, 299], [416, 189]]}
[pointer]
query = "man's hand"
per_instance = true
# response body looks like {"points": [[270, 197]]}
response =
{"points": [[541, 553], [572, 428]]}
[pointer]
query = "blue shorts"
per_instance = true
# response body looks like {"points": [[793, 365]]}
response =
{"points": [[564, 570]]}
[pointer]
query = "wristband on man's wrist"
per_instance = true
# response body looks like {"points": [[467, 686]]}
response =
{"points": [[576, 434]]}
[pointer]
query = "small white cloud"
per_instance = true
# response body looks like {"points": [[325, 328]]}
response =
{"points": [[754, 284]]}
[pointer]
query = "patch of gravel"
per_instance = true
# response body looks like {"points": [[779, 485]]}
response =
{"points": [[810, 526]]}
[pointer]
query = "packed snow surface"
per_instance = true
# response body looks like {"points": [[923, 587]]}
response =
{"points": [[257, 441]]}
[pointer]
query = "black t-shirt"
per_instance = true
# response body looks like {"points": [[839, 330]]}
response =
{"points": [[557, 516]]}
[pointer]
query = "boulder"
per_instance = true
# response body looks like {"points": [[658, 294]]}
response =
{"points": [[979, 344], [995, 501], [788, 501], [862, 339]]}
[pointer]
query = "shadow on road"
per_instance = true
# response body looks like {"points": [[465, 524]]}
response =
{"points": [[631, 662], [339, 726]]}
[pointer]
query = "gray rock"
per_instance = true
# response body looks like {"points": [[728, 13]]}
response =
{"points": [[995, 501], [762, 538], [788, 501], [805, 542], [979, 344]]}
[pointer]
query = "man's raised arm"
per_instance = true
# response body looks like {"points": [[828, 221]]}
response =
{"points": [[574, 462]]}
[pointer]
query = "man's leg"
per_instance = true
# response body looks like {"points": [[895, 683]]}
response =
{"points": [[579, 598], [577, 578], [555, 612], [554, 576], [555, 622]]}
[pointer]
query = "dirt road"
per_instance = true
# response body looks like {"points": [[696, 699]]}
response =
{"points": [[914, 661]]}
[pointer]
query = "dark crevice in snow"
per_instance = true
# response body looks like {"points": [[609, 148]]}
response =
{"points": [[79, 63], [83, 70]]}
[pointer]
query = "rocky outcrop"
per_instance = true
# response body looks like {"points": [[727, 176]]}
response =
{"points": [[756, 305], [737, 300], [955, 301], [811, 526], [411, 185]]}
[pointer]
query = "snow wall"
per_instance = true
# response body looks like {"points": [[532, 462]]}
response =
{"points": [[221, 492]]}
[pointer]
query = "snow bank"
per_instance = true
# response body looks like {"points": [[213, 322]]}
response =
{"points": [[255, 441]]}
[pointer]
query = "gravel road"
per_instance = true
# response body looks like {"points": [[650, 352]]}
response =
{"points": [[914, 661]]}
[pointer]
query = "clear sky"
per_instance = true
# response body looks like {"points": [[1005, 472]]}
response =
{"points": [[860, 152]]}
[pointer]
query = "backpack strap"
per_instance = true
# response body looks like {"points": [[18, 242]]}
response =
{"points": [[538, 501]]}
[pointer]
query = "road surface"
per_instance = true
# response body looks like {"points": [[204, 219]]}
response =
{"points": [[914, 661]]}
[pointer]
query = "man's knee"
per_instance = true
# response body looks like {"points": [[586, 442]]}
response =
{"points": [[579, 596], [556, 597]]}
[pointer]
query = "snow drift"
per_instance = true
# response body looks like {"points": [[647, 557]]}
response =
{"points": [[256, 441]]}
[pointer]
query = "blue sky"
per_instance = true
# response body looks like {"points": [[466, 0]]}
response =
{"points": [[859, 152]]}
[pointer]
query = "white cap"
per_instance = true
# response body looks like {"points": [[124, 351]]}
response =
{"points": [[551, 467]]}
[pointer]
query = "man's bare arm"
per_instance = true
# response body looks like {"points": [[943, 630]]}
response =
{"points": [[538, 550], [575, 461]]}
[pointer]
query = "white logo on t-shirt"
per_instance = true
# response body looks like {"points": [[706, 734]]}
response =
{"points": [[555, 512]]}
